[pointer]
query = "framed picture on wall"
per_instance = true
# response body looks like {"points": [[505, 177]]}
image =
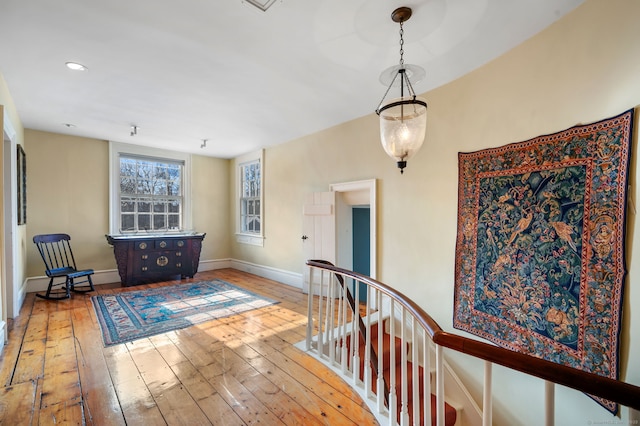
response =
{"points": [[22, 186]]}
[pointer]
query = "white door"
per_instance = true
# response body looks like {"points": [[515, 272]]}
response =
{"points": [[319, 231]]}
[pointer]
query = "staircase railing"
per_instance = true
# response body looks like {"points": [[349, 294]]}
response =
{"points": [[337, 322], [362, 331]]}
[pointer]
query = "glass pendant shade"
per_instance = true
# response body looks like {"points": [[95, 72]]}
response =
{"points": [[403, 121], [403, 125]]}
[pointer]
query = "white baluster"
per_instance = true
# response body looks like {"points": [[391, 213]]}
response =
{"points": [[380, 378], [340, 317], [355, 336], [415, 371], [487, 397], [404, 414], [426, 398], [320, 316], [310, 310], [367, 353], [343, 338], [439, 386], [331, 313], [393, 403], [549, 403]]}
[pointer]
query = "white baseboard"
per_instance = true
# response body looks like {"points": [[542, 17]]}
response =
{"points": [[19, 299], [210, 265], [286, 277], [35, 284], [3, 335], [99, 277]]}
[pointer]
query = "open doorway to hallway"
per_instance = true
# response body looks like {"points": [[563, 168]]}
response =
{"points": [[351, 196], [328, 227], [356, 226], [361, 220]]}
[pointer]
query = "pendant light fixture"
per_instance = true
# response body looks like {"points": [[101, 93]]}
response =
{"points": [[403, 121]]}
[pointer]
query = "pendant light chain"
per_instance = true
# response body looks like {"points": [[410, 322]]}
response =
{"points": [[401, 45], [404, 76]]}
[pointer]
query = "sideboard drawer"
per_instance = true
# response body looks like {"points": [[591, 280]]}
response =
{"points": [[164, 244], [143, 245]]}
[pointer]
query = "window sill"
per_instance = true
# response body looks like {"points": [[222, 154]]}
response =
{"points": [[254, 240]]}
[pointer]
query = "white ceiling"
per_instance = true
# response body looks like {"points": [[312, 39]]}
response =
{"points": [[223, 70]]}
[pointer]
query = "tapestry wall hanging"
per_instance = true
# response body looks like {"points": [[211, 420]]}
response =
{"points": [[540, 256]]}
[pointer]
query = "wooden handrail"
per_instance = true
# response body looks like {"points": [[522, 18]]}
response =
{"points": [[604, 387]]}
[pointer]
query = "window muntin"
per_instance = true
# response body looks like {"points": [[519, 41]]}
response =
{"points": [[151, 194], [250, 198]]}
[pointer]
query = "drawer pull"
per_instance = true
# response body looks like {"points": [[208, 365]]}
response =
{"points": [[180, 243], [145, 256], [162, 261], [163, 244], [142, 246]]}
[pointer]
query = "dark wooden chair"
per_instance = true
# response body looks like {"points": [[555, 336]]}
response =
{"points": [[56, 253]]}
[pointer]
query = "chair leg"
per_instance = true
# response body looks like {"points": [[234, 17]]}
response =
{"points": [[84, 289], [48, 295]]}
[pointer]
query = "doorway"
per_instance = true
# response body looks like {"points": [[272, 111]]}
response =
{"points": [[361, 219], [351, 195], [356, 223], [328, 226]]}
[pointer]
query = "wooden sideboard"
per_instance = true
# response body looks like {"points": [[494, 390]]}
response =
{"points": [[144, 259]]}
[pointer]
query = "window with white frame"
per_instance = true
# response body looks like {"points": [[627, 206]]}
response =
{"points": [[250, 197], [148, 190], [150, 194], [250, 193]]}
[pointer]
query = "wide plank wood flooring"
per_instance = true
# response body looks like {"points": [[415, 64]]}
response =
{"points": [[239, 370]]}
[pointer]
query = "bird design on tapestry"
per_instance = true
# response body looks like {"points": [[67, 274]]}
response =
{"points": [[564, 231], [521, 226]]}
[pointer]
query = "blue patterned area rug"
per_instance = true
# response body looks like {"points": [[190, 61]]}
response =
{"points": [[132, 315], [540, 258]]}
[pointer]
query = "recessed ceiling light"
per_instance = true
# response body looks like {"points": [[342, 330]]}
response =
{"points": [[76, 66]]}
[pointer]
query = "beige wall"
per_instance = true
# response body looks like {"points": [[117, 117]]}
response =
{"points": [[68, 190], [348, 152], [210, 194], [20, 260], [580, 70], [584, 68]]}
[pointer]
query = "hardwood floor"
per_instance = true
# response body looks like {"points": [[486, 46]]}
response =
{"points": [[237, 370]]}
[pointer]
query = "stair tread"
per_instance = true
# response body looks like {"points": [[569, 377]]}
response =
{"points": [[450, 411], [386, 346]]}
